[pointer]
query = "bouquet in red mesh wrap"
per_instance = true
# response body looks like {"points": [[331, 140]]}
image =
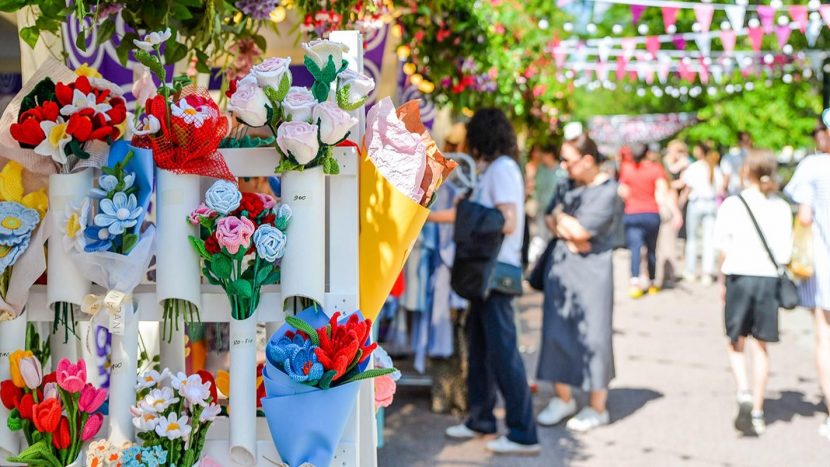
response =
{"points": [[181, 123]]}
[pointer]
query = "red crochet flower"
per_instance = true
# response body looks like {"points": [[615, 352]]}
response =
{"points": [[207, 377], [62, 439], [47, 415], [212, 245], [27, 130], [252, 204], [118, 107], [338, 350], [26, 406], [10, 394]]}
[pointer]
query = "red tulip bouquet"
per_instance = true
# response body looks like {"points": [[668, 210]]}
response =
{"points": [[312, 369], [57, 412], [72, 124]]}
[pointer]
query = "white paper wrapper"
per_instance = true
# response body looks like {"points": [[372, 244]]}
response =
{"points": [[177, 264], [243, 391], [66, 284], [123, 378], [70, 349], [12, 337], [304, 265]]}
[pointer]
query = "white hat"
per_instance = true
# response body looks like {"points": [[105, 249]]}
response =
{"points": [[572, 130]]}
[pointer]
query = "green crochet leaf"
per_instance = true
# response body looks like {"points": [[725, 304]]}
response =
{"points": [[221, 266], [199, 246], [301, 325], [42, 92], [285, 86], [14, 422], [241, 287], [39, 453], [369, 374], [325, 381]]}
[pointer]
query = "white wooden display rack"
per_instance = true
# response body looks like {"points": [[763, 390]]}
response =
{"points": [[357, 447]]}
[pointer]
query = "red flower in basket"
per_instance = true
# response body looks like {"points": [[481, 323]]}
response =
{"points": [[10, 394], [47, 415], [27, 130], [338, 350], [252, 205], [26, 406], [62, 439]]}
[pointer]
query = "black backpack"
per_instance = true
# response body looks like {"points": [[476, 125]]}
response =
{"points": [[478, 236]]}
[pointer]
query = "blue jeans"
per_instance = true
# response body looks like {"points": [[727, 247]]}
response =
{"points": [[642, 229], [700, 236], [495, 363]]}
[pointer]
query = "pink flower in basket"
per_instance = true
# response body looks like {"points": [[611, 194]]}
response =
{"points": [[233, 232], [385, 388], [71, 377]]}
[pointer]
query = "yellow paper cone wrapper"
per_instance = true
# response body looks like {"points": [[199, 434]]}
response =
{"points": [[389, 225]]}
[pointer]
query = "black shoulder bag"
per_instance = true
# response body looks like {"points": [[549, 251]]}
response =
{"points": [[478, 236], [787, 293]]}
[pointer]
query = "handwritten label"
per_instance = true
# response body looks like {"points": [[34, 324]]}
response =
{"points": [[300, 198], [117, 366], [5, 354], [245, 341]]}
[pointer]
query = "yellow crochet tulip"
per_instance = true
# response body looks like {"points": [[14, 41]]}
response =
{"points": [[37, 200], [11, 182], [14, 364], [88, 71]]}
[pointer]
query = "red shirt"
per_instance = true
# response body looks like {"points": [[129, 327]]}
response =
{"points": [[641, 180]]}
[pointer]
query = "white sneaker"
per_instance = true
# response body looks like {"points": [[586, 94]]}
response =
{"points": [[461, 431], [824, 429], [706, 280], [587, 419], [504, 446], [689, 277], [556, 411]]}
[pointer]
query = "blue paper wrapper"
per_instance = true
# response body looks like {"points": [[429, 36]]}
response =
{"points": [[306, 423], [142, 164]]}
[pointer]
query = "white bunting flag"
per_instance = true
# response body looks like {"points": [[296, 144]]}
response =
{"points": [[736, 15]]}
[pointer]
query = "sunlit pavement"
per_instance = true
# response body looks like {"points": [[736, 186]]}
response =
{"points": [[672, 403]]}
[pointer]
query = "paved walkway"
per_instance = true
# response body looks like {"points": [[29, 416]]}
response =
{"points": [[672, 403]]}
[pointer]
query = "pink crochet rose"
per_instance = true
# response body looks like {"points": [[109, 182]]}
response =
{"points": [[201, 211], [233, 232], [268, 201], [385, 388]]}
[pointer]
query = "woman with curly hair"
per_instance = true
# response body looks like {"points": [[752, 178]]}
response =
{"points": [[494, 360]]}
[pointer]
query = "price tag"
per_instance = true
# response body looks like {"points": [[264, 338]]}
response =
{"points": [[298, 199], [242, 342]]}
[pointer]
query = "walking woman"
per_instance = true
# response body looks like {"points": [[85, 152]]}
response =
{"points": [[493, 349], [750, 279], [579, 293], [644, 188], [704, 181], [810, 188]]}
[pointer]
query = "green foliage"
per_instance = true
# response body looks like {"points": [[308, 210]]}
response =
{"points": [[301, 325], [246, 141]]}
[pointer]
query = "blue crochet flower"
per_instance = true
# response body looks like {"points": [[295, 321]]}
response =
{"points": [[281, 349], [16, 222], [99, 239], [9, 254], [223, 197], [137, 456], [302, 365], [270, 243], [119, 213], [283, 217]]}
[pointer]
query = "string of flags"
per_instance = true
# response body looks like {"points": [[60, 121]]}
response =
{"points": [[573, 54]]}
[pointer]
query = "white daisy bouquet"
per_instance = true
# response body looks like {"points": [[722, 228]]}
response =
{"points": [[175, 413]]}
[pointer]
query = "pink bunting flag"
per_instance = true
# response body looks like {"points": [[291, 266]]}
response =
{"points": [[783, 35], [756, 35], [628, 45], [703, 14], [663, 70], [825, 13], [559, 56], [636, 13], [679, 42], [766, 14], [653, 44], [621, 63], [727, 39], [799, 15], [561, 3], [669, 16], [704, 71]]}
